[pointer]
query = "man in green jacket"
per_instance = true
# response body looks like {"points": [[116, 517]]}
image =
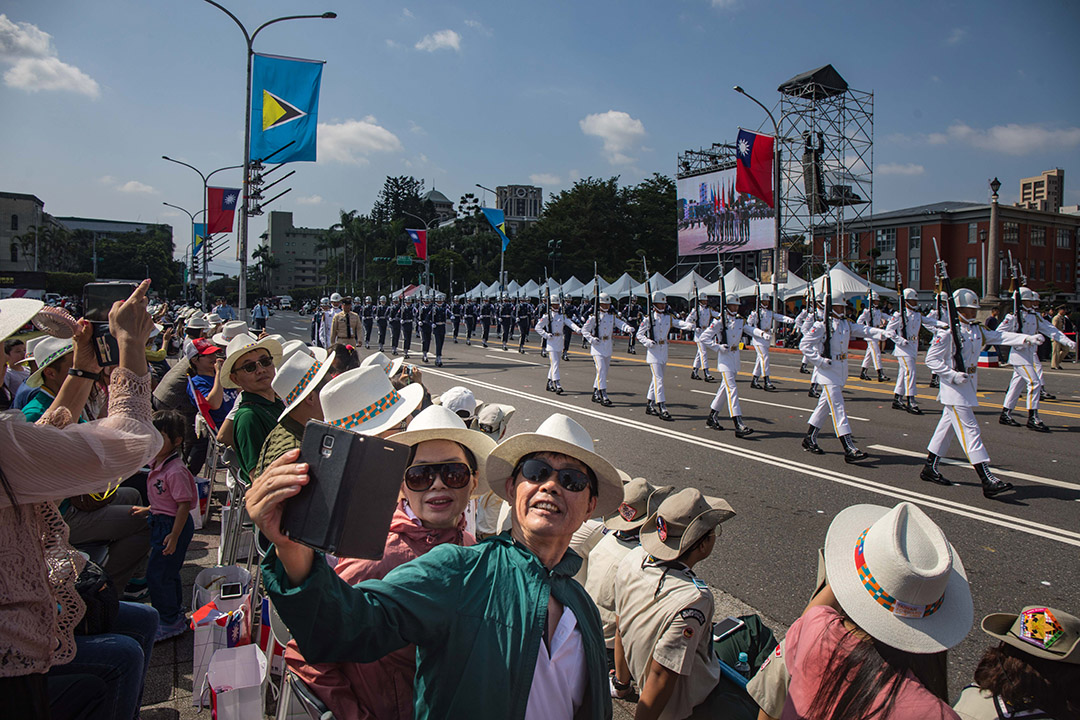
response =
{"points": [[250, 366], [502, 629]]}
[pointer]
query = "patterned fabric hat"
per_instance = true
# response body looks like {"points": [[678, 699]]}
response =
{"points": [[298, 375], [380, 359], [640, 501], [16, 312], [364, 401], [680, 521]]}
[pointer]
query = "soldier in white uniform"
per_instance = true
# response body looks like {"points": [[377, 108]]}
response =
{"points": [[762, 319], [659, 323], [553, 333], [803, 322], [327, 323], [726, 347], [1027, 368], [831, 371], [600, 334], [872, 316], [701, 317], [939, 314], [958, 391], [906, 350], [664, 611]]}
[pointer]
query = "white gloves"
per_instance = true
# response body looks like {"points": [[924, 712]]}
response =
{"points": [[766, 337], [959, 378], [1037, 339], [725, 348], [648, 343], [593, 340]]}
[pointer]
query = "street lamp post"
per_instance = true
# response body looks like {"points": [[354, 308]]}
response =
{"points": [[993, 278], [427, 260], [191, 249], [776, 206], [502, 252], [249, 38]]}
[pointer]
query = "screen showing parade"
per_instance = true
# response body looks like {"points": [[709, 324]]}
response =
{"points": [[714, 216]]}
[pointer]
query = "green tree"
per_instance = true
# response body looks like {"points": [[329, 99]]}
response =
{"points": [[265, 264]]}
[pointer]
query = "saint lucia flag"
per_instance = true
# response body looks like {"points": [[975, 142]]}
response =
{"points": [[199, 231], [284, 108], [498, 222]]}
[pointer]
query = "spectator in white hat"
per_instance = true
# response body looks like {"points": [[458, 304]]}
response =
{"points": [[298, 383], [363, 400], [230, 330], [195, 327], [53, 357], [249, 365]]}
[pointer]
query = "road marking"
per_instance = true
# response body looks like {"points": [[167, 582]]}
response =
{"points": [[789, 407], [510, 359], [961, 463], [1050, 532]]}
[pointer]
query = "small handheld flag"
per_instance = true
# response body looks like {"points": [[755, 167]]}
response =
{"points": [[754, 169], [284, 108], [497, 218], [221, 205], [419, 238]]}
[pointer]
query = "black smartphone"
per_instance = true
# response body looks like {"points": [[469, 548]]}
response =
{"points": [[725, 627], [353, 486], [230, 591], [98, 299]]}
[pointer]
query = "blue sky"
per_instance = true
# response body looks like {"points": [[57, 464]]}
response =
{"points": [[505, 92]]}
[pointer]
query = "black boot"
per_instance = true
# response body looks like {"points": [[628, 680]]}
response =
{"points": [[934, 382], [754, 383], [930, 472], [1034, 423], [882, 377], [694, 374], [912, 406], [897, 402], [714, 420], [543, 353], [741, 430], [803, 369], [662, 411], [604, 399], [595, 395], [768, 385], [1044, 395], [814, 391], [565, 356], [550, 387], [1006, 419], [438, 362], [863, 375], [852, 454], [708, 378], [650, 408], [992, 487], [558, 388], [809, 443]]}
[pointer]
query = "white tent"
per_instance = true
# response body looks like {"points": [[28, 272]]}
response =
{"points": [[530, 289], [794, 287], [734, 282], [477, 291], [572, 287], [553, 285], [513, 289], [684, 287], [659, 282], [621, 288], [847, 284]]}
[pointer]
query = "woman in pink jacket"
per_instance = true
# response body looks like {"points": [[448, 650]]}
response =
{"points": [[447, 460]]}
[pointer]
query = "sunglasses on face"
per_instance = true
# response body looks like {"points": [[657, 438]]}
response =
{"points": [[421, 477], [538, 471], [250, 367]]}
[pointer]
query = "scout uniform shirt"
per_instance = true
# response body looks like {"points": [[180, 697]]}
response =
{"points": [[603, 562], [345, 326], [665, 614]]}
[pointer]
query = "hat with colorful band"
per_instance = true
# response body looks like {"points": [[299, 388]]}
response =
{"points": [[1043, 632], [297, 376], [46, 352], [364, 401]]}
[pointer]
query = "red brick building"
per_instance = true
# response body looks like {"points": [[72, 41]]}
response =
{"points": [[1044, 242]]}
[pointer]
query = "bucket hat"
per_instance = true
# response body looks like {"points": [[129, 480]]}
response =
{"points": [[492, 419], [436, 422], [681, 520], [640, 500], [364, 401], [46, 352], [1039, 631], [297, 376], [242, 344], [197, 323]]}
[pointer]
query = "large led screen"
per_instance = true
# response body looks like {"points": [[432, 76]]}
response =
{"points": [[713, 216]]}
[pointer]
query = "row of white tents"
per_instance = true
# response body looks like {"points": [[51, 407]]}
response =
{"points": [[845, 283]]}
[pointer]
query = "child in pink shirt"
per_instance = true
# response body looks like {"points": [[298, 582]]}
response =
{"points": [[171, 489]]}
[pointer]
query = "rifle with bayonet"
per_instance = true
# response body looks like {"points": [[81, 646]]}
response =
{"points": [[902, 303], [723, 308], [648, 299], [828, 313], [1014, 290], [596, 299], [757, 306], [869, 298], [954, 317], [547, 307]]}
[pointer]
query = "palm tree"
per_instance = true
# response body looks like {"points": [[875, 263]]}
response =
{"points": [[266, 263]]}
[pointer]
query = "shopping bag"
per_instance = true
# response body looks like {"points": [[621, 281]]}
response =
{"points": [[210, 581], [215, 630], [235, 679]]}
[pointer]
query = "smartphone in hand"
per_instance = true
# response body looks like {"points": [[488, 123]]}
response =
{"points": [[98, 299]]}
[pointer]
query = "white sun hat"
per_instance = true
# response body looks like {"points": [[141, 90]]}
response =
{"points": [[46, 352], [436, 422], [242, 344], [379, 359], [292, 346], [364, 401], [16, 312], [230, 330], [297, 376]]}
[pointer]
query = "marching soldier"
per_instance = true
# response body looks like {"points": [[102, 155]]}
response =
{"points": [[871, 316], [487, 316], [345, 327], [367, 314], [457, 311], [906, 350], [803, 321], [395, 324], [523, 314], [572, 312], [541, 308], [599, 332], [701, 317], [471, 309], [439, 316], [762, 319], [727, 363], [959, 388], [658, 324], [408, 321], [382, 316], [831, 371], [425, 320], [1027, 368], [633, 319], [318, 319], [939, 314], [553, 332], [506, 317], [328, 321]]}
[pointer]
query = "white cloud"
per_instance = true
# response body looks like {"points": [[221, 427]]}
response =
{"points": [[416, 129], [136, 187], [34, 62], [1011, 139], [107, 180], [479, 27], [545, 179], [391, 43], [619, 131], [900, 169], [724, 4], [350, 142], [407, 13], [441, 40], [310, 200], [957, 36]]}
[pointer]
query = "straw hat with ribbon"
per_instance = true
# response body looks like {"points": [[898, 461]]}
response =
{"points": [[438, 423], [297, 376], [16, 312], [640, 500], [230, 330], [291, 346], [379, 359], [897, 577], [240, 346], [558, 434], [364, 401], [46, 352], [680, 521]]}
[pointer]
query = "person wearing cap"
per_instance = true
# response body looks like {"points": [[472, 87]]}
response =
{"points": [[634, 316], [599, 331], [1033, 672], [395, 324], [446, 462], [906, 350], [701, 317], [640, 500], [471, 309], [663, 611], [724, 341], [438, 318], [653, 334], [803, 321], [503, 614], [1027, 368], [958, 391], [523, 314], [492, 419], [830, 372], [367, 314], [762, 318], [205, 388], [487, 317], [550, 327], [249, 365], [382, 317], [939, 314], [345, 327], [409, 317], [194, 327], [506, 318], [872, 316], [457, 314]]}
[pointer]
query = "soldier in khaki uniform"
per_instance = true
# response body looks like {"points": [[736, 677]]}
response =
{"points": [[345, 327], [664, 612]]}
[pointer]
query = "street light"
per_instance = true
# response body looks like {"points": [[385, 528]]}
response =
{"points": [[993, 269], [502, 252], [776, 205], [427, 260], [249, 38], [205, 181], [191, 250]]}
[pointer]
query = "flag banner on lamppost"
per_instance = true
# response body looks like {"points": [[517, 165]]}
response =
{"points": [[221, 205], [497, 218], [284, 108], [199, 232], [419, 238], [754, 169]]}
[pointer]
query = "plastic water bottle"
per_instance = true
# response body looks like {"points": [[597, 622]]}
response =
{"points": [[743, 665]]}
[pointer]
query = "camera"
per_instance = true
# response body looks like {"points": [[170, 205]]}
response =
{"points": [[98, 299]]}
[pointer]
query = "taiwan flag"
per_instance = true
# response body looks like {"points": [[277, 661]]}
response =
{"points": [[221, 205], [419, 238], [753, 174]]}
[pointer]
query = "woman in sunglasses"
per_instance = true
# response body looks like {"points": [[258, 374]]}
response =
{"points": [[443, 471]]}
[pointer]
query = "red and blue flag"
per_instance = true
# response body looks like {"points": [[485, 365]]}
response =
{"points": [[221, 206], [754, 168], [419, 238]]}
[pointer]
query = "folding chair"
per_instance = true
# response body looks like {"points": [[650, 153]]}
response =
{"points": [[291, 686]]}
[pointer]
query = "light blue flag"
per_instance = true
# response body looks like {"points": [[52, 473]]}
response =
{"points": [[199, 237], [497, 218], [284, 108]]}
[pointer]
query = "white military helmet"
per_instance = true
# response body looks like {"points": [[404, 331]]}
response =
{"points": [[943, 295], [325, 301], [766, 297], [731, 299], [367, 298], [335, 297], [874, 295], [440, 297], [965, 298], [659, 297], [382, 298], [1028, 294], [605, 299], [556, 300], [911, 294]]}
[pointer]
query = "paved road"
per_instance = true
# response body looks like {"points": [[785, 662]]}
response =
{"points": [[1019, 549]]}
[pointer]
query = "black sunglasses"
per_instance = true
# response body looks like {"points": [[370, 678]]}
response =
{"points": [[538, 471], [421, 477], [250, 367]]}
